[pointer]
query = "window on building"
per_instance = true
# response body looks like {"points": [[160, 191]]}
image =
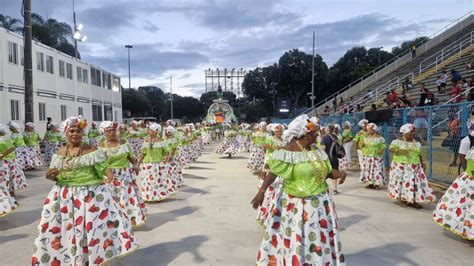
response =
{"points": [[85, 76], [79, 74], [116, 84], [22, 55], [42, 111], [69, 71], [106, 80], [96, 112], [108, 113], [63, 112], [13, 53], [96, 77], [115, 116], [40, 61], [49, 64], [80, 111], [15, 109], [61, 68]]}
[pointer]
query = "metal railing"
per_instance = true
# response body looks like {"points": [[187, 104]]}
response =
{"points": [[395, 60], [452, 49]]}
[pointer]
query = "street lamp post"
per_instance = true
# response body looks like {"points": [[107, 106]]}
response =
{"points": [[312, 76], [171, 96], [77, 31], [128, 46], [379, 48]]}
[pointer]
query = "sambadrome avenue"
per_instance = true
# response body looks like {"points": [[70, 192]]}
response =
{"points": [[237, 132]]}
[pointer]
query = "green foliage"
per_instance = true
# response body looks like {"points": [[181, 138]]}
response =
{"points": [[253, 112], [207, 98], [11, 24], [405, 46], [135, 102]]}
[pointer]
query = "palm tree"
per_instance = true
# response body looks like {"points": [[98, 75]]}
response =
{"points": [[11, 24]]}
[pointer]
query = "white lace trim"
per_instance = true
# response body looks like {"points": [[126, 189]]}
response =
{"points": [[470, 154], [376, 140], [295, 157], [90, 159], [161, 144], [406, 145], [123, 148]]}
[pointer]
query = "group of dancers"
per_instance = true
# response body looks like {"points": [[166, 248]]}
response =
{"points": [[295, 205], [102, 182]]}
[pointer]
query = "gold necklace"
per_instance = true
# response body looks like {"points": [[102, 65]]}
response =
{"points": [[319, 168]]}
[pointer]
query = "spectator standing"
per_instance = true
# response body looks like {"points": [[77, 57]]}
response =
{"points": [[49, 123], [470, 94], [393, 97], [326, 110], [405, 98], [444, 79], [455, 76], [423, 95], [454, 137], [456, 93], [413, 51], [327, 143], [439, 81], [373, 107], [334, 104]]}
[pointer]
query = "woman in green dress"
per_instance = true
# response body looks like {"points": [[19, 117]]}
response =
{"points": [[52, 139], [19, 143], [81, 223], [302, 228], [358, 139], [373, 163], [408, 182], [155, 174], [93, 135], [7, 154], [124, 166], [32, 142]]}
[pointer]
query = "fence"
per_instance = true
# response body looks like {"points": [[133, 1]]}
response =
{"points": [[440, 129]]}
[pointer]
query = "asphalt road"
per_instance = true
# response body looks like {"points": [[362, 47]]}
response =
{"points": [[210, 222]]}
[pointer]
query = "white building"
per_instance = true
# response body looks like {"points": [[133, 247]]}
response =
{"points": [[62, 85]]}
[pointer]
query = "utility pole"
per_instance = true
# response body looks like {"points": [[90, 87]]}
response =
{"points": [[171, 90], [75, 26], [128, 46], [28, 65], [312, 77]]}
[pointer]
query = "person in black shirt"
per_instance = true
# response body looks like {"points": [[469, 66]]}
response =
{"points": [[48, 124], [327, 141]]}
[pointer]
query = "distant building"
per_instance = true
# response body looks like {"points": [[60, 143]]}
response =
{"points": [[62, 85]]}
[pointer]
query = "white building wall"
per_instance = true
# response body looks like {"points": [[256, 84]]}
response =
{"points": [[51, 89]]}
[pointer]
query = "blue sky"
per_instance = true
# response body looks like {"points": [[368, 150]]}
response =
{"points": [[181, 38]]}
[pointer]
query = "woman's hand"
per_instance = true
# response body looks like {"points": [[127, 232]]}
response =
{"points": [[108, 176], [52, 174], [341, 175], [257, 200]]}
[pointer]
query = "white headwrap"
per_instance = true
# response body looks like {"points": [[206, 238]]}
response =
{"points": [[262, 124], [269, 127], [155, 127], [104, 125], [275, 126], [134, 123], [363, 122], [170, 122], [347, 123], [3, 129], [407, 128], [170, 129], [337, 126], [297, 128], [73, 121], [315, 120], [470, 127], [30, 124], [285, 136], [13, 124], [373, 126]]}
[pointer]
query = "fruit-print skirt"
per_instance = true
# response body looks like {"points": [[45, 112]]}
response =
{"points": [[50, 149], [228, 146], [7, 202], [82, 226], [455, 210], [272, 192], [155, 182], [177, 171], [373, 171], [15, 177], [408, 182], [302, 231], [21, 157], [127, 194], [94, 142], [256, 159], [34, 157], [136, 144]]}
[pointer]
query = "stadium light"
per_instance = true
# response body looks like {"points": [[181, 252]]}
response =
{"points": [[79, 27]]}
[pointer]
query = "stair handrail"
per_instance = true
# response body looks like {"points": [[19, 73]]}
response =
{"points": [[407, 51], [446, 52]]}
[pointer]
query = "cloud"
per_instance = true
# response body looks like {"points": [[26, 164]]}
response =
{"points": [[149, 26], [185, 76]]}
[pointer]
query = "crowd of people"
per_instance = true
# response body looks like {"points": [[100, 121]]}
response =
{"points": [[104, 178]]}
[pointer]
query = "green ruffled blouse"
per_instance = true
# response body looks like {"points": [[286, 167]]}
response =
{"points": [[31, 138], [298, 172], [347, 135], [470, 162], [53, 136], [373, 146], [413, 148], [259, 137], [117, 157], [230, 134], [93, 133], [274, 142], [83, 170], [360, 136], [135, 134], [17, 139], [5, 144], [154, 153]]}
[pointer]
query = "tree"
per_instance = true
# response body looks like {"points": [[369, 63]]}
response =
{"points": [[11, 24], [253, 112], [157, 98], [135, 102], [188, 107], [207, 98], [405, 46]]}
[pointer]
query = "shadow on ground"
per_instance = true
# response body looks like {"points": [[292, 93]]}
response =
{"points": [[19, 218], [166, 253], [5, 239], [188, 176], [389, 254], [156, 220]]}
